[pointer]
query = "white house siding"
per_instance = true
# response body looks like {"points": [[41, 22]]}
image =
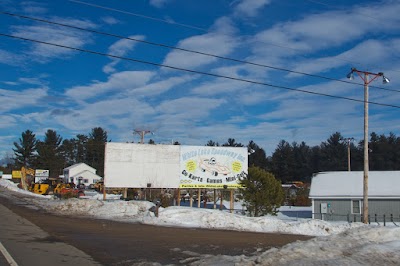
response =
{"points": [[87, 178], [83, 172]]}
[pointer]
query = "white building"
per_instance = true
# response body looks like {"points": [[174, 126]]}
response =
{"points": [[339, 195], [6, 176], [81, 173]]}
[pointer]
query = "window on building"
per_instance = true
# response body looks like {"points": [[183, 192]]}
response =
{"points": [[85, 180], [356, 206]]}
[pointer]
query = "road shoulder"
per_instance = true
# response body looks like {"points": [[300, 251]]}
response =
{"points": [[27, 244]]}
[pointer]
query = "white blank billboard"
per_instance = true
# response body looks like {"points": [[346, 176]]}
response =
{"points": [[139, 165], [130, 165]]}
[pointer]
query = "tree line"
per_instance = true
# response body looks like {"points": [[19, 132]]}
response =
{"points": [[289, 161], [299, 161], [55, 153]]}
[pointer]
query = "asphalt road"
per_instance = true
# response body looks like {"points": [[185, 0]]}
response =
{"points": [[116, 243], [23, 243]]}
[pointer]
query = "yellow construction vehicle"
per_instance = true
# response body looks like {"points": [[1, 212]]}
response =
{"points": [[99, 186], [27, 176], [45, 187], [68, 191], [40, 188]]}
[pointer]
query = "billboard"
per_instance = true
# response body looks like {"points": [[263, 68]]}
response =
{"points": [[16, 174], [141, 165], [41, 175], [173, 166], [212, 167]]}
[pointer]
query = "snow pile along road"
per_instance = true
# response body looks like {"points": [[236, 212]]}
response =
{"points": [[337, 243], [360, 246]]}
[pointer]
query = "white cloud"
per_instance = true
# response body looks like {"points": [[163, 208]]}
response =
{"points": [[192, 107], [121, 81], [81, 23], [120, 48], [224, 26], [31, 7], [219, 87], [110, 20], [13, 100], [80, 119], [363, 54], [325, 30], [56, 35], [10, 58], [160, 87], [250, 8], [7, 121], [159, 3], [220, 42], [31, 81], [220, 45]]}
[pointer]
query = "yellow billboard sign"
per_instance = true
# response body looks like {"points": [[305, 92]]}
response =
{"points": [[212, 167], [16, 174]]}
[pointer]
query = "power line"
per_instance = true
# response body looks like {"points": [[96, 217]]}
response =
{"points": [[195, 27], [332, 6], [196, 72], [140, 15], [188, 50]]}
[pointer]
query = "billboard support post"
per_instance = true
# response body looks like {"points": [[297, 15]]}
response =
{"points": [[231, 206], [215, 198], [199, 198], [191, 198], [178, 195], [221, 196]]}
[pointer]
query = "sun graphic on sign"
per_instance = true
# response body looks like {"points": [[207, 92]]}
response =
{"points": [[236, 166], [191, 166]]}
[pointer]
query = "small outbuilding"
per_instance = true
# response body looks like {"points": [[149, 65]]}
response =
{"points": [[81, 174], [338, 196]]}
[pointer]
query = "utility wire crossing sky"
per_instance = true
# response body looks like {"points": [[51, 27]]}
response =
{"points": [[209, 84]]}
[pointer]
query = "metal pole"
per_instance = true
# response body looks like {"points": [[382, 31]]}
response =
{"points": [[366, 165]]}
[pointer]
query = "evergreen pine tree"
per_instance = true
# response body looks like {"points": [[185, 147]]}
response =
{"points": [[262, 193], [25, 150]]}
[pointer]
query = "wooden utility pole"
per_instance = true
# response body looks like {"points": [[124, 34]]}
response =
{"points": [[348, 143], [364, 75], [366, 162], [141, 133], [348, 158]]}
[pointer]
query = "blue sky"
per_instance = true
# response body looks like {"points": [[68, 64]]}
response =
{"points": [[46, 87]]}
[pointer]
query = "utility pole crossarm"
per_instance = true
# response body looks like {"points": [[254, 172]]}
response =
{"points": [[141, 133]]}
